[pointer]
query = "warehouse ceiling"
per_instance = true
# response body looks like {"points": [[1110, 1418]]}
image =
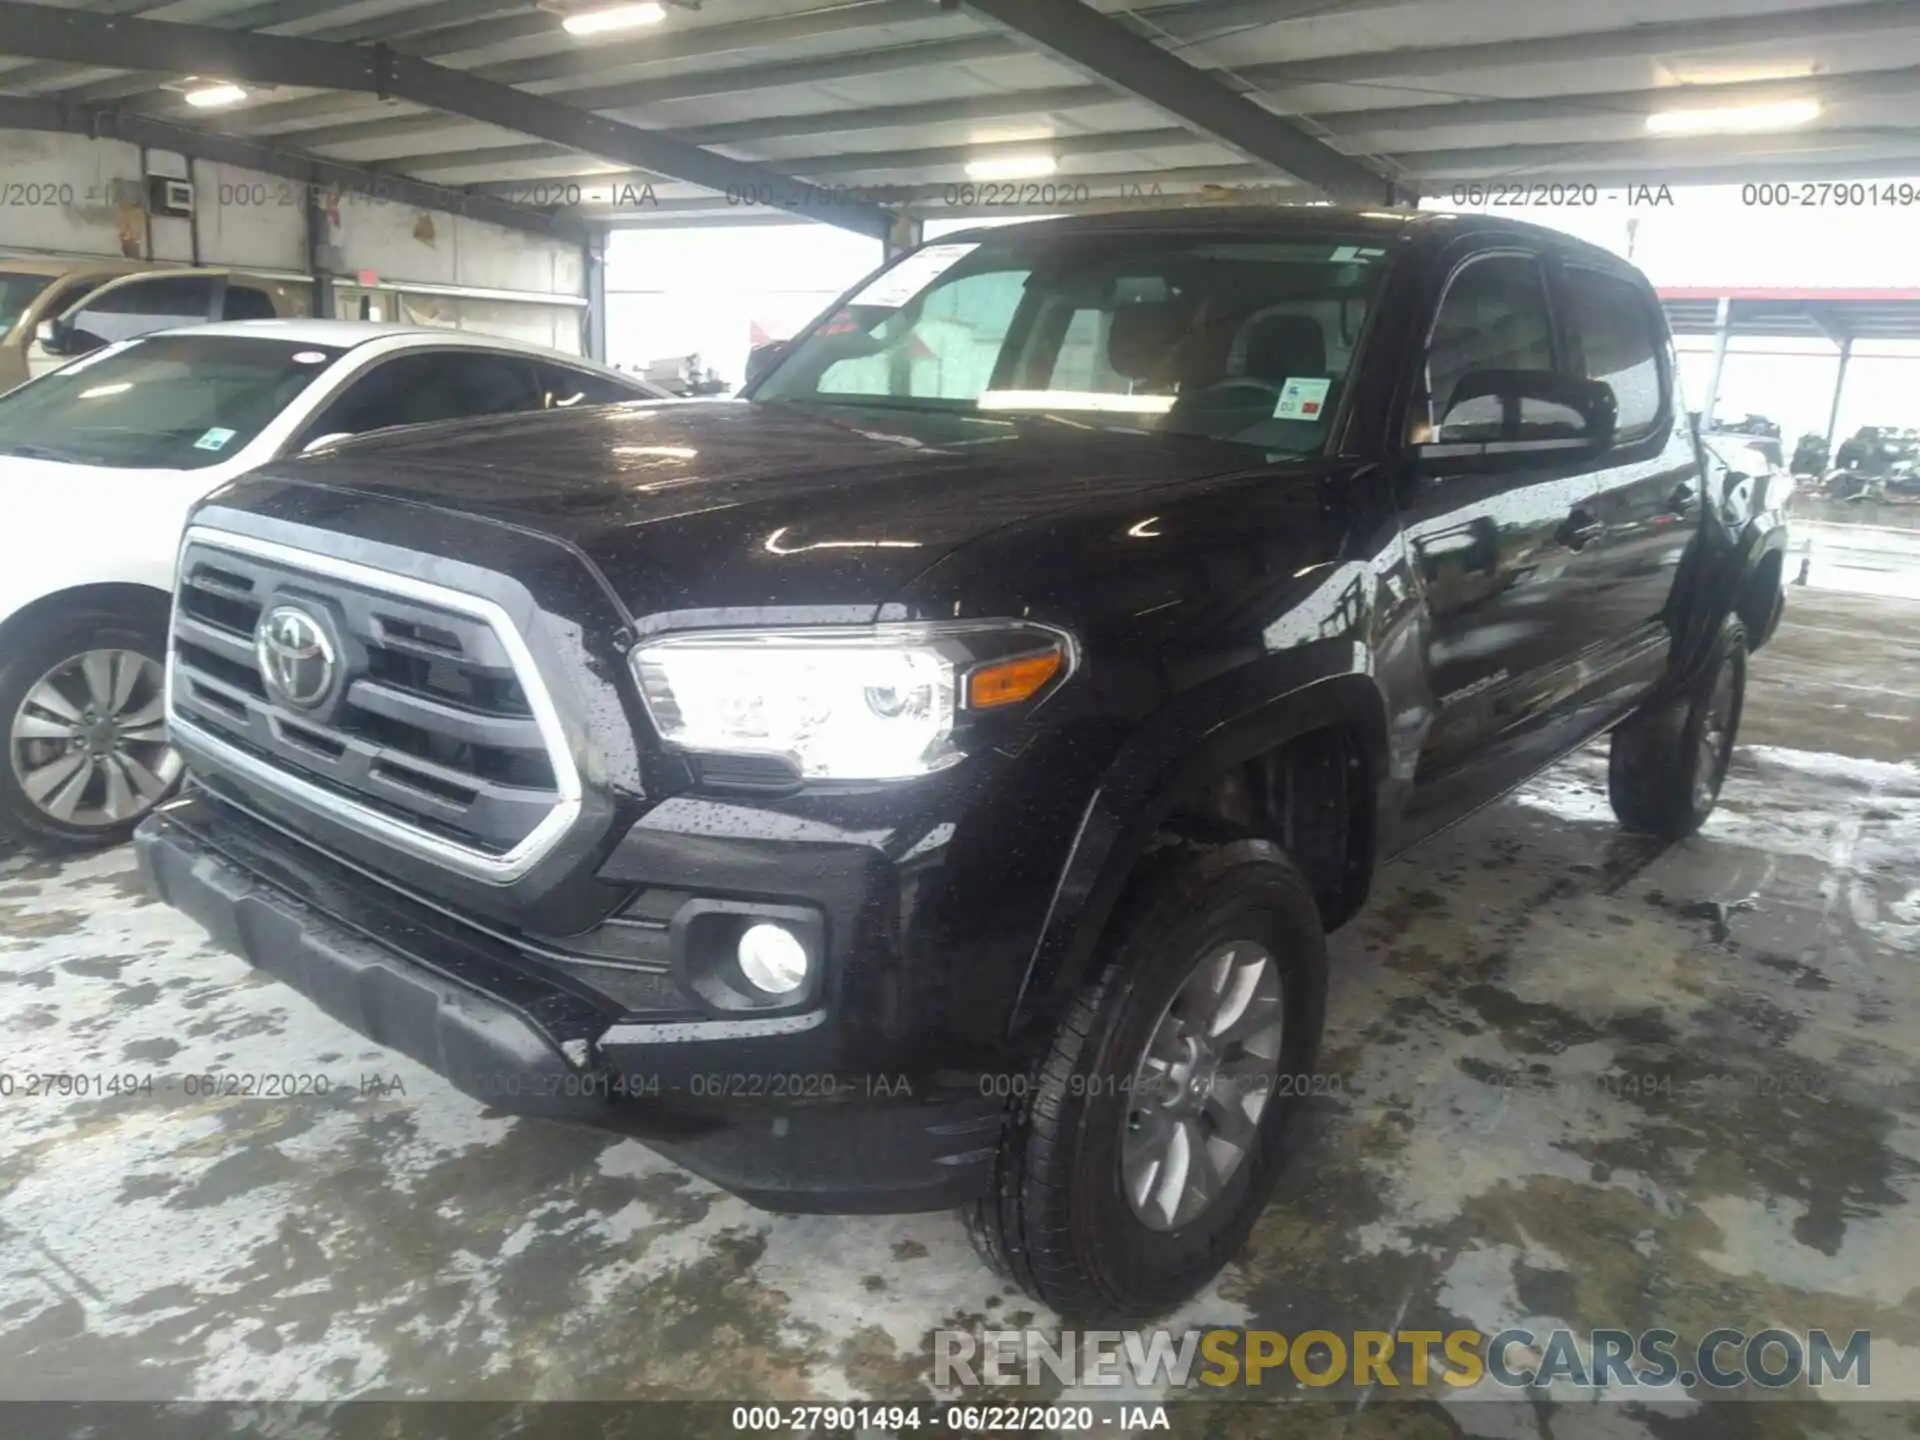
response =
{"points": [[850, 112]]}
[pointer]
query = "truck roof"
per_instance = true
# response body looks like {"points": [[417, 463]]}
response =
{"points": [[1383, 225]]}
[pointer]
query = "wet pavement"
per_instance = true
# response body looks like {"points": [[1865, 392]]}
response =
{"points": [[1581, 1080]]}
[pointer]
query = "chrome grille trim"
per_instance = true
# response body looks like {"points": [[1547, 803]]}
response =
{"points": [[503, 868]]}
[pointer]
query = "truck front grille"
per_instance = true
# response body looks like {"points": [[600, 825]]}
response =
{"points": [[407, 710]]}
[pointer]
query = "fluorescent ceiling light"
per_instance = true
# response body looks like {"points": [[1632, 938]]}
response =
{"points": [[1012, 167], [614, 17], [1734, 119], [211, 97]]}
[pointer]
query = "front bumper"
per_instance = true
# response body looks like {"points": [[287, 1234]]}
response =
{"points": [[737, 1102]]}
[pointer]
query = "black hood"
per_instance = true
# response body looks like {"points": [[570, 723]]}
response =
{"points": [[725, 503]]}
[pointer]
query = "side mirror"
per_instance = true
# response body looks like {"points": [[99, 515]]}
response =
{"points": [[763, 358], [332, 437], [58, 337], [1505, 406], [62, 336]]}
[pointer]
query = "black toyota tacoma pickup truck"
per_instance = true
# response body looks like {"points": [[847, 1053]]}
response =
{"points": [[929, 780]]}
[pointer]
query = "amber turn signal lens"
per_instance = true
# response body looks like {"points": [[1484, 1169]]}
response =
{"points": [[1008, 682]]}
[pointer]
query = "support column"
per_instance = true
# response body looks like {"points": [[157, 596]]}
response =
{"points": [[595, 252], [320, 254], [1839, 389], [904, 234], [1722, 325]]}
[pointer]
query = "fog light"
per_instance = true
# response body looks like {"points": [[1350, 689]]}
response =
{"points": [[772, 957]]}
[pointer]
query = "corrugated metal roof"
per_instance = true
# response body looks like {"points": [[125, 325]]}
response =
{"points": [[900, 93]]}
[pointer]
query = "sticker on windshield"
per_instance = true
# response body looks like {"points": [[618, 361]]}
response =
{"points": [[309, 357], [913, 274], [214, 439], [1302, 398]]}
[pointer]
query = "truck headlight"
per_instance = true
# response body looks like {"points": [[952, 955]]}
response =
{"points": [[878, 702]]}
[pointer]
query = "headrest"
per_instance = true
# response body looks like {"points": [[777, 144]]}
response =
{"points": [[1141, 338], [1284, 345]]}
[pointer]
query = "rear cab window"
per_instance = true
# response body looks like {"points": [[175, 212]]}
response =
{"points": [[1619, 343]]}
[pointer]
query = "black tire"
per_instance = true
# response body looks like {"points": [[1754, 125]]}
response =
{"points": [[1668, 761], [30, 652], [1056, 1219]]}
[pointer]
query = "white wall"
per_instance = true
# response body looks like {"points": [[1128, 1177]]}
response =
{"points": [[79, 174], [707, 292], [248, 219], [384, 245]]}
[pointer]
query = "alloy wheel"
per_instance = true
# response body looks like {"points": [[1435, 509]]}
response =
{"points": [[1206, 1077], [88, 745]]}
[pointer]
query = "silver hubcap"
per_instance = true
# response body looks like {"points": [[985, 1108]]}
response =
{"points": [[89, 743], [1207, 1076], [1707, 772]]}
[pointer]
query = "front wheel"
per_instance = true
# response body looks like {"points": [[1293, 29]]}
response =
{"points": [[1153, 1131], [1667, 763], [82, 715]]}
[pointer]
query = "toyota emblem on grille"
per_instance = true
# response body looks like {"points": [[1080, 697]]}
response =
{"points": [[298, 659]]}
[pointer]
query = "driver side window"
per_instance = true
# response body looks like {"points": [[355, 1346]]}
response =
{"points": [[1494, 317]]}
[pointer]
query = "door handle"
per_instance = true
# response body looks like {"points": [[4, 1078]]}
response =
{"points": [[1580, 530], [1681, 501]]}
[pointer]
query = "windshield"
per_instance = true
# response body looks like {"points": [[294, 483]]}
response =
{"points": [[1234, 338], [16, 293], [173, 402]]}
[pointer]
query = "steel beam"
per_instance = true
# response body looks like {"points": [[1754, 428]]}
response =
{"points": [[1184, 23], [837, 121], [1375, 128], [27, 113], [1245, 185], [1092, 43], [935, 157], [1380, 124], [1657, 158], [1760, 167], [75, 36], [294, 17]]}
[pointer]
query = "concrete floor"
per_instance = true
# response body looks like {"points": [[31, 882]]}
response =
{"points": [[1471, 1170]]}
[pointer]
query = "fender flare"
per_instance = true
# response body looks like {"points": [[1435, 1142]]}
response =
{"points": [[1200, 737]]}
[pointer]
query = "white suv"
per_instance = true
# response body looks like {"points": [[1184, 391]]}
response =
{"points": [[100, 462]]}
